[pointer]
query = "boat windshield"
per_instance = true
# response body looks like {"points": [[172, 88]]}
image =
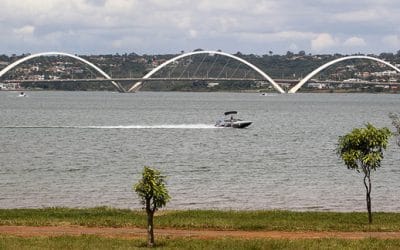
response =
{"points": [[230, 113]]}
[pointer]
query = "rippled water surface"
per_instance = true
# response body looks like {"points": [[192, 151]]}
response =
{"points": [[84, 149]]}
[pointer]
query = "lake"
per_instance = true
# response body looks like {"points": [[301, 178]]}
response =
{"points": [[85, 149]]}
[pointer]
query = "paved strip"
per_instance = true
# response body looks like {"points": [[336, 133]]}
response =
{"points": [[128, 232]]}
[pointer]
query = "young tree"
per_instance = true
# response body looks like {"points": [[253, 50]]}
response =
{"points": [[396, 123], [362, 149], [154, 195]]}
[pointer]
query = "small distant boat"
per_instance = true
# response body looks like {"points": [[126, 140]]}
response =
{"points": [[267, 94], [230, 120], [22, 94]]}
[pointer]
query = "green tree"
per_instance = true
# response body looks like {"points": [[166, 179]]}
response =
{"points": [[302, 53], [396, 123], [154, 195], [362, 149]]}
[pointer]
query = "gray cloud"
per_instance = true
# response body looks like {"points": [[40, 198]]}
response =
{"points": [[169, 26]]}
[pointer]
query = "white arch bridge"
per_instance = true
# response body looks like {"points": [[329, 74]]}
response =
{"points": [[163, 65], [148, 77], [16, 63], [326, 65]]}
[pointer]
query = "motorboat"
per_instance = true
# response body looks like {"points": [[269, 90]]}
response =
{"points": [[230, 120], [22, 94]]}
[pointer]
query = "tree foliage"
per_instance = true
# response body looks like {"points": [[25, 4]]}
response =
{"points": [[152, 188], [362, 150], [363, 147]]}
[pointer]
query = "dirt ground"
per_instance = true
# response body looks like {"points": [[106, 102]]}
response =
{"points": [[28, 231]]}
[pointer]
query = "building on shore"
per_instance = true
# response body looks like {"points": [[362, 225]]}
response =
{"points": [[10, 86]]}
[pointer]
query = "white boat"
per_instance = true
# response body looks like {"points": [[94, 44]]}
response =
{"points": [[22, 94], [230, 120], [267, 94]]}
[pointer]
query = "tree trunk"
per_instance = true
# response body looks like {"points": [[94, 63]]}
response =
{"points": [[368, 186], [369, 207], [150, 232]]}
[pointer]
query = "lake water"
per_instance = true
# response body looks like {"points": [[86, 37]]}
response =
{"points": [[85, 149]]}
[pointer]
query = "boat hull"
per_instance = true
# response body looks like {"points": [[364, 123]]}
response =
{"points": [[235, 124], [241, 124]]}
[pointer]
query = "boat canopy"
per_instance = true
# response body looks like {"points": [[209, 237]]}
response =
{"points": [[230, 112]]}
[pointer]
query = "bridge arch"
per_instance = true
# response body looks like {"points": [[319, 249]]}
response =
{"points": [[137, 85], [319, 69], [16, 63]]}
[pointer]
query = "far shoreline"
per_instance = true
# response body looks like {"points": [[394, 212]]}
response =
{"points": [[324, 91]]}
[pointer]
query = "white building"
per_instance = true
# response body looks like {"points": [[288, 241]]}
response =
{"points": [[9, 86], [316, 85]]}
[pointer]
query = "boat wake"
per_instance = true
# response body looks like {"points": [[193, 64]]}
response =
{"points": [[161, 126]]}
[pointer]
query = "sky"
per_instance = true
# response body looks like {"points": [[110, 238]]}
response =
{"points": [[170, 26]]}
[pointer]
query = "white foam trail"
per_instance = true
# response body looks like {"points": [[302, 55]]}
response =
{"points": [[161, 126]]}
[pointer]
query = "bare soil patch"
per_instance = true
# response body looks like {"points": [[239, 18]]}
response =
{"points": [[129, 232]]}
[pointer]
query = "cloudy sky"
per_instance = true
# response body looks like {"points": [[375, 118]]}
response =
{"points": [[169, 26]]}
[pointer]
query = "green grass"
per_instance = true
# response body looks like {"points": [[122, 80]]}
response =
{"points": [[203, 219], [95, 242], [92, 217]]}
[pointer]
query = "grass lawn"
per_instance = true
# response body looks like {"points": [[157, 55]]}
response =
{"points": [[95, 242], [204, 219]]}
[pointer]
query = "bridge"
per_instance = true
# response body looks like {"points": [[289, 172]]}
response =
{"points": [[186, 67], [130, 80], [326, 65]]}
